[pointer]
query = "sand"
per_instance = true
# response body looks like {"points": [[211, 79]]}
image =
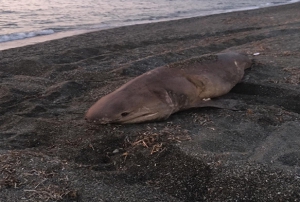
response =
{"points": [[49, 153]]}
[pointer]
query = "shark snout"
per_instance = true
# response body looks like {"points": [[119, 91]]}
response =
{"points": [[94, 116]]}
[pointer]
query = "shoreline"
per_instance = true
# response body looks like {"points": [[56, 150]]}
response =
{"points": [[50, 153], [60, 35]]}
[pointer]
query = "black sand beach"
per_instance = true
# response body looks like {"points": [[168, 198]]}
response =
{"points": [[49, 153]]}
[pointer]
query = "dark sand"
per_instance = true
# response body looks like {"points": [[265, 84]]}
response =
{"points": [[49, 153]]}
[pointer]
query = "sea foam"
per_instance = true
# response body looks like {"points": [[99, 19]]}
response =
{"points": [[23, 35]]}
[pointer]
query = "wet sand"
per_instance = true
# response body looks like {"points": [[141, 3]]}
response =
{"points": [[49, 153]]}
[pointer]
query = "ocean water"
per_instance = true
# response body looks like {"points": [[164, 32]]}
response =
{"points": [[23, 19]]}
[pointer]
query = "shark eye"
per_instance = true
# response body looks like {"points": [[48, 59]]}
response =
{"points": [[124, 114]]}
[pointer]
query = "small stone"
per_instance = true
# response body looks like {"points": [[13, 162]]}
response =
{"points": [[116, 151]]}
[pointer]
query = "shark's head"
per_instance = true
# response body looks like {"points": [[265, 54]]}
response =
{"points": [[129, 106]]}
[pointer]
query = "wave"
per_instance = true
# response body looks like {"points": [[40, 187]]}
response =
{"points": [[23, 35]]}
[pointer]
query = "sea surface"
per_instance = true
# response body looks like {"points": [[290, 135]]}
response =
{"points": [[23, 19]]}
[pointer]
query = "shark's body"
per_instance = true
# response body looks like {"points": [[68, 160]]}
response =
{"points": [[157, 94]]}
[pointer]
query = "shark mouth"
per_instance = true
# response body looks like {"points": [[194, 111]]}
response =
{"points": [[133, 119], [138, 119]]}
